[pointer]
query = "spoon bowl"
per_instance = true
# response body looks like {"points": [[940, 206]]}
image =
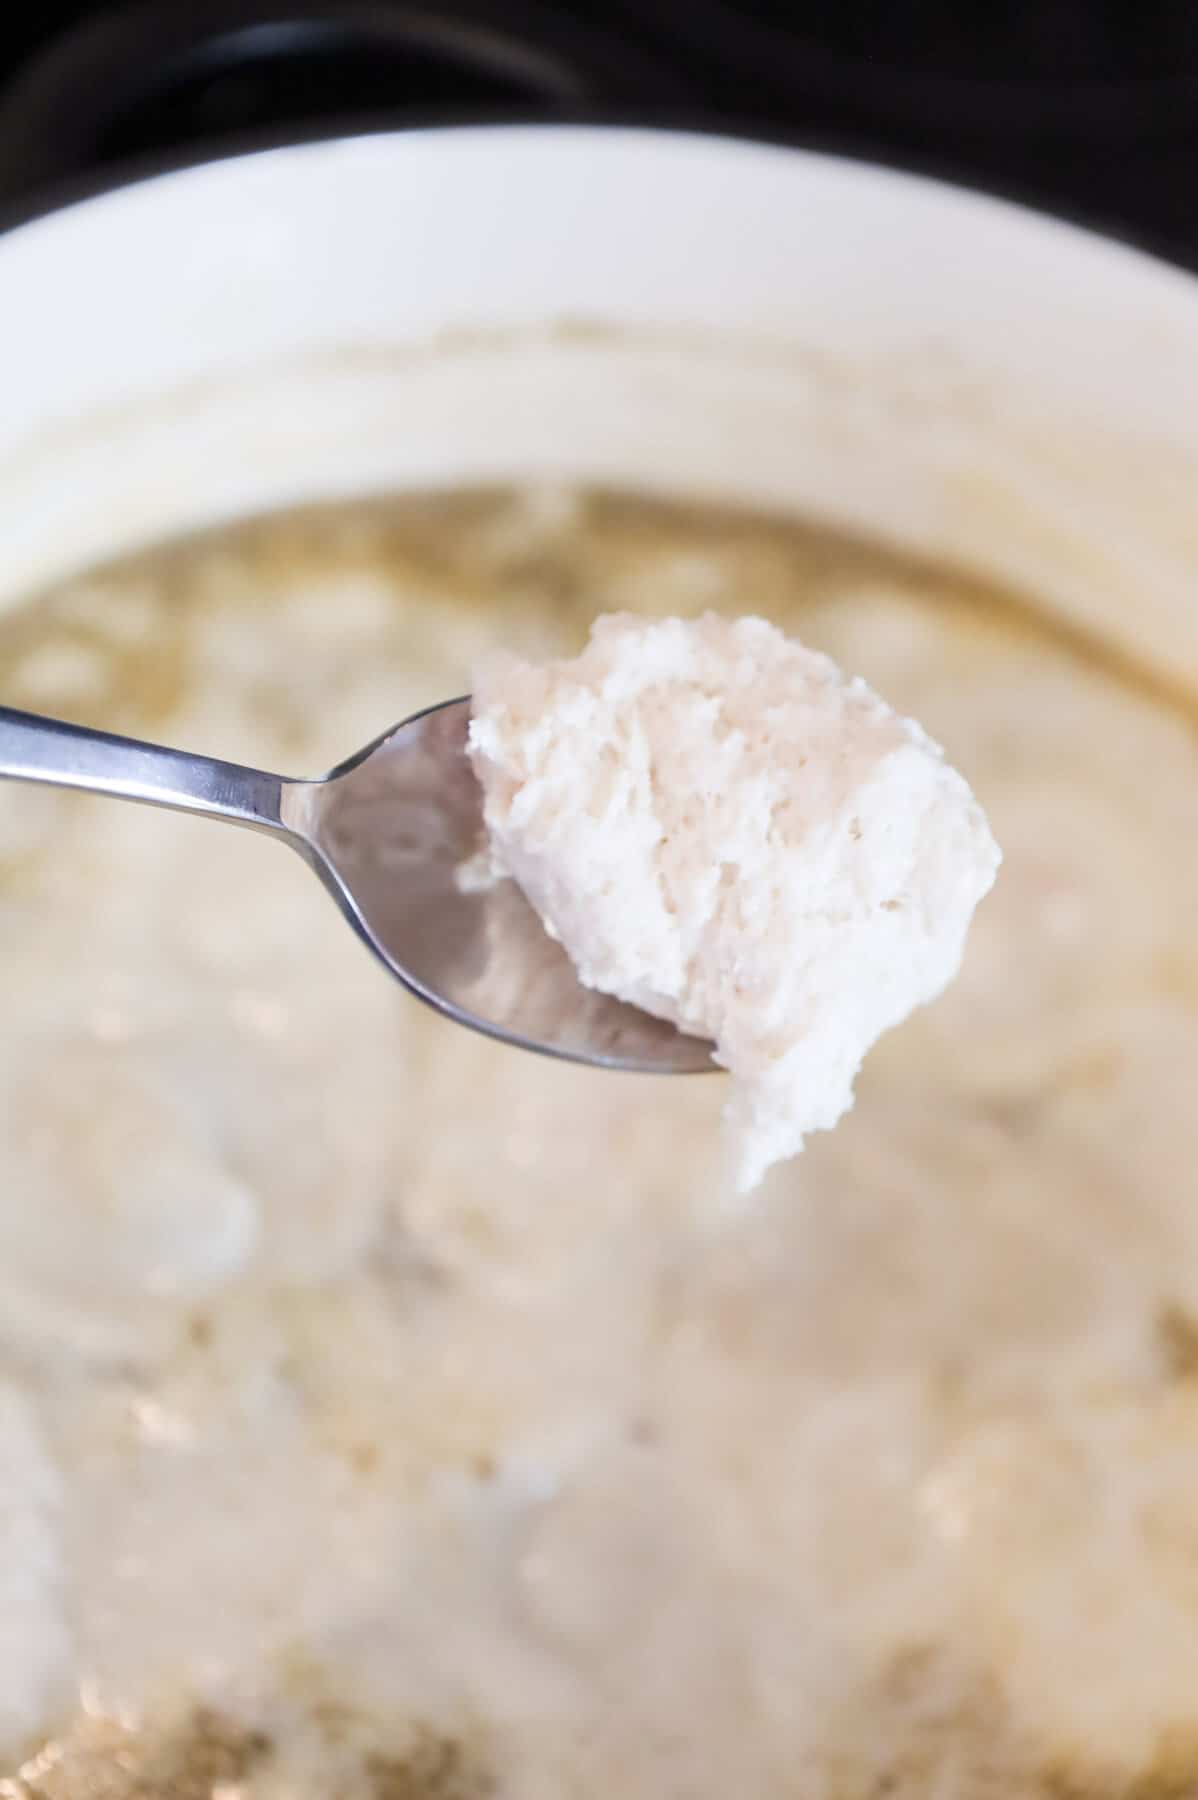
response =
{"points": [[393, 833]]}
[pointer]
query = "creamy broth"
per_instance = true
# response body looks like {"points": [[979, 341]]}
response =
{"points": [[391, 1415]]}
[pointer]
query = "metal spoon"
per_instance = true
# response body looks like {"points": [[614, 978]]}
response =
{"points": [[387, 832]]}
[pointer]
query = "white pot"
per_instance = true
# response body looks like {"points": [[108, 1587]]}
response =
{"points": [[692, 314]]}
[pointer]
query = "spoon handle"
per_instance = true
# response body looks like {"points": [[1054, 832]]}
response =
{"points": [[50, 750]]}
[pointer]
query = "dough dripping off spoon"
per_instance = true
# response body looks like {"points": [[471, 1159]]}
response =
{"points": [[725, 831]]}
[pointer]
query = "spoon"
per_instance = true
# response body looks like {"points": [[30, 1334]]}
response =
{"points": [[387, 832]]}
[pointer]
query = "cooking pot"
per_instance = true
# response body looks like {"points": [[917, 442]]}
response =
{"points": [[672, 311]]}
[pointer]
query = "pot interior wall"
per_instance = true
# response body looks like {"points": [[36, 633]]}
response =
{"points": [[693, 316]]}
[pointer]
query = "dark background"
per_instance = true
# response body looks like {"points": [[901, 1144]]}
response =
{"points": [[1085, 107]]}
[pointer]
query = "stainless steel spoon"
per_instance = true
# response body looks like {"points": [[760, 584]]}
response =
{"points": [[387, 832]]}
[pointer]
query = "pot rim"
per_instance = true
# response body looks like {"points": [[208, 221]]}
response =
{"points": [[77, 190]]}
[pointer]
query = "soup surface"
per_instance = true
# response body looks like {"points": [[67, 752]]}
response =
{"points": [[390, 1415]]}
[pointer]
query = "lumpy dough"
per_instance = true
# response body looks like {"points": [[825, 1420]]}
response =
{"points": [[437, 1430], [724, 830]]}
